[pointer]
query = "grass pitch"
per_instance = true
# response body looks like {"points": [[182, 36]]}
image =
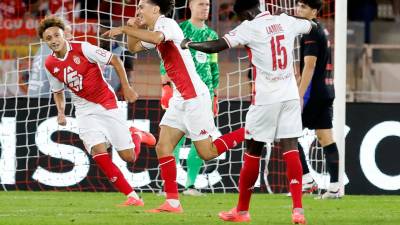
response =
{"points": [[61, 208]]}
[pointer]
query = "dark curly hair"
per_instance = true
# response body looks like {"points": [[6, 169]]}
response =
{"points": [[50, 21], [243, 5], [166, 6]]}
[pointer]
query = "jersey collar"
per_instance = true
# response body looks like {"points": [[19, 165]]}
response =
{"points": [[265, 13]]}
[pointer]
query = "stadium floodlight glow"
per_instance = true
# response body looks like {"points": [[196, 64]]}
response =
{"points": [[368, 151]]}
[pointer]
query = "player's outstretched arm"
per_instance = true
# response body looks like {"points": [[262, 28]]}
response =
{"points": [[59, 99], [130, 94], [206, 46]]}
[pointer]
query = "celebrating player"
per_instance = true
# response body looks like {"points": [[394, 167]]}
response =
{"points": [[207, 67], [76, 65], [189, 112], [316, 88], [275, 112]]}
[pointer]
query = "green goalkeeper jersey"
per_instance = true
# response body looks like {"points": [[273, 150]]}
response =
{"points": [[206, 64]]}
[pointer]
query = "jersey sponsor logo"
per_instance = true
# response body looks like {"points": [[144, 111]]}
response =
{"points": [[203, 132], [73, 79], [77, 60]]}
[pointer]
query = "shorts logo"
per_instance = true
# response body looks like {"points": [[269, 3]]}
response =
{"points": [[77, 60], [203, 132]]}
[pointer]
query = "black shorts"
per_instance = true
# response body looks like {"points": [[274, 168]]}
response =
{"points": [[318, 114]]}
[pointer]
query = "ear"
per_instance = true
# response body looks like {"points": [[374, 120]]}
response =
{"points": [[156, 9], [315, 12]]}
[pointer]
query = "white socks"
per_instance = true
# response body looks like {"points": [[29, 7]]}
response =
{"points": [[133, 195], [174, 202]]}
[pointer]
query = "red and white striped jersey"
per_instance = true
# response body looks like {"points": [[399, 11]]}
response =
{"points": [[80, 71], [269, 40], [177, 62]]}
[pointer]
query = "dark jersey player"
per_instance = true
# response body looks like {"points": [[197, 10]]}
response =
{"points": [[317, 91]]}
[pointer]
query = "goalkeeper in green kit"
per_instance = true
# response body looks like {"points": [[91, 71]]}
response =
{"points": [[207, 67]]}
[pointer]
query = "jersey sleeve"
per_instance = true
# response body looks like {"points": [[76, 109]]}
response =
{"points": [[241, 35], [55, 84], [300, 26], [96, 54], [310, 44], [166, 26]]}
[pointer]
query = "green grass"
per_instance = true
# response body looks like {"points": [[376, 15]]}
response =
{"points": [[59, 208]]}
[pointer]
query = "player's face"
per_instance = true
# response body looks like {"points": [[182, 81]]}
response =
{"points": [[200, 9], [304, 10], [54, 38], [147, 12]]}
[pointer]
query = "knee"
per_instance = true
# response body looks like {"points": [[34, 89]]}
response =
{"points": [[127, 156], [163, 149]]}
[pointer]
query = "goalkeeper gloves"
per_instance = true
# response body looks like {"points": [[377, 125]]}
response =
{"points": [[215, 105], [166, 94]]}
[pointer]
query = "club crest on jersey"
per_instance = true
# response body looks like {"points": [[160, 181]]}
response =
{"points": [[77, 60]]}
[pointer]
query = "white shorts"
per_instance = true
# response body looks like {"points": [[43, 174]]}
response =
{"points": [[108, 126], [266, 123], [194, 117]]}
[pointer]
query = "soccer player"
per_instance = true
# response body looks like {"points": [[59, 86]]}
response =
{"points": [[77, 65], [317, 91], [275, 112], [189, 112], [207, 67]]}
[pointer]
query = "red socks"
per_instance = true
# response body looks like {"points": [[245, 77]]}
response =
{"points": [[112, 172], [248, 177], [229, 140], [294, 174], [168, 174]]}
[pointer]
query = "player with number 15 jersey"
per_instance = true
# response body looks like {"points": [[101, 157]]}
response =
{"points": [[275, 112]]}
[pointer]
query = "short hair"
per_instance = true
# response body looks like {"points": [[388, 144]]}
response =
{"points": [[243, 5], [50, 21], [166, 6], [314, 4]]}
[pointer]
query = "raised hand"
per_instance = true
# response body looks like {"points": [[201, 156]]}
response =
{"points": [[130, 94], [113, 32]]}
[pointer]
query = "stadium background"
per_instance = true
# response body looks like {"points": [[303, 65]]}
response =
{"points": [[32, 146]]}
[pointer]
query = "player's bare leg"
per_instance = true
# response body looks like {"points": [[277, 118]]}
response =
{"points": [[247, 179], [113, 173], [325, 138], [294, 174], [208, 149], [169, 138]]}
